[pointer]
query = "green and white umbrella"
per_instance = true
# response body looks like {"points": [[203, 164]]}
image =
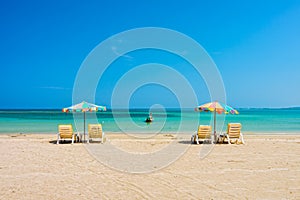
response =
{"points": [[84, 107]]}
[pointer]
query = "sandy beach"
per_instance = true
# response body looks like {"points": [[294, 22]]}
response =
{"points": [[32, 166]]}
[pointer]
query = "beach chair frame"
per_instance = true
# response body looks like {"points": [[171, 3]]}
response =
{"points": [[203, 134], [233, 134], [65, 132], [95, 131]]}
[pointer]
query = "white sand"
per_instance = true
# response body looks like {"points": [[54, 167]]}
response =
{"points": [[267, 167]]}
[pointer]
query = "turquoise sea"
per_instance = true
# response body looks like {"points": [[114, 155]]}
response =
{"points": [[254, 121]]}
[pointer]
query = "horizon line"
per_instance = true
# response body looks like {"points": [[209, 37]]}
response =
{"points": [[145, 108]]}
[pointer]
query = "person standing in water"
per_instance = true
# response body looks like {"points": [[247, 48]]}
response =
{"points": [[149, 118]]}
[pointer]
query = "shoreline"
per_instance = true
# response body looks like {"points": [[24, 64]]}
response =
{"points": [[260, 133], [135, 136]]}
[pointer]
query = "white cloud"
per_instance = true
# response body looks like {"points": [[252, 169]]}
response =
{"points": [[115, 50], [55, 88]]}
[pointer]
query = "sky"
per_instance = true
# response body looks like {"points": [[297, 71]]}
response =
{"points": [[254, 44]]}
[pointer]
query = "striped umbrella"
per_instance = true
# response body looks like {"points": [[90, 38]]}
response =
{"points": [[84, 107], [216, 107]]}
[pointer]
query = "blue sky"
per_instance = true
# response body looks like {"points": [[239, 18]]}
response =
{"points": [[255, 45]]}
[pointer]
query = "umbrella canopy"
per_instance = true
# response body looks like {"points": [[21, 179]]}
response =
{"points": [[216, 107], [84, 107]]}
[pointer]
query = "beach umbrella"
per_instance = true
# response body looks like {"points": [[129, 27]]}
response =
{"points": [[84, 107], [216, 107]]}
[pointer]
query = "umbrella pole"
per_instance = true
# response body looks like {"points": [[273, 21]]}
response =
{"points": [[215, 125], [84, 126]]}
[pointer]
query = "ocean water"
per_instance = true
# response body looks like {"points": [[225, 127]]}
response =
{"points": [[254, 121]]}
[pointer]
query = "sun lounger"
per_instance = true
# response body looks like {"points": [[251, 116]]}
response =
{"points": [[95, 131], [203, 134], [233, 135], [65, 132]]}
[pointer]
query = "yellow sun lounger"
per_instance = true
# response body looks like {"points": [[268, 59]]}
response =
{"points": [[233, 135], [95, 131], [65, 132], [203, 133]]}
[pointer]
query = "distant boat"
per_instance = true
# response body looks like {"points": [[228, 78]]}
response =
{"points": [[149, 118]]}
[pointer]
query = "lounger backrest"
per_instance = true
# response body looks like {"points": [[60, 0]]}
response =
{"points": [[204, 131], [65, 131], [234, 130], [95, 130]]}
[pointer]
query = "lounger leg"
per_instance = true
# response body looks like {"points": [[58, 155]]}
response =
{"points": [[228, 139], [242, 138], [197, 139], [102, 139], [77, 137], [58, 138], [80, 137], [73, 138]]}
